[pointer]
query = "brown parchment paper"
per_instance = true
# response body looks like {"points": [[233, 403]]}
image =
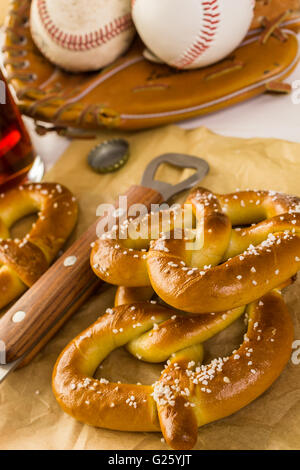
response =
{"points": [[29, 415]]}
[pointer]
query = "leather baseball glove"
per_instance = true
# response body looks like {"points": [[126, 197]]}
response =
{"points": [[133, 93], [272, 9]]}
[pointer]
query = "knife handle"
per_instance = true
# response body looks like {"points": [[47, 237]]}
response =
{"points": [[56, 296]]}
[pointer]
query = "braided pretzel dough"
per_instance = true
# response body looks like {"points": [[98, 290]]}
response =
{"points": [[22, 262], [233, 267], [130, 295], [187, 395], [123, 261], [228, 266]]}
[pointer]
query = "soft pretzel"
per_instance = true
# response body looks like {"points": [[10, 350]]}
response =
{"points": [[187, 395], [130, 295], [120, 259], [244, 244], [22, 262], [233, 266]]}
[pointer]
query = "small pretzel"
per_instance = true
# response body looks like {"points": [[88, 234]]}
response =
{"points": [[22, 262], [227, 266], [187, 395]]}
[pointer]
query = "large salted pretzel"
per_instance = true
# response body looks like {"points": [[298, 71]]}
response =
{"points": [[242, 246], [22, 262], [188, 394]]}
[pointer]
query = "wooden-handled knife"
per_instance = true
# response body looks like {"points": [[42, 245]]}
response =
{"points": [[55, 297]]}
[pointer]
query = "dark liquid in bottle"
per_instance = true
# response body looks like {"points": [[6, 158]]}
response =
{"points": [[16, 152]]}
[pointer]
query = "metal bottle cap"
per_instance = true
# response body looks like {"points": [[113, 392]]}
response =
{"points": [[109, 156]]}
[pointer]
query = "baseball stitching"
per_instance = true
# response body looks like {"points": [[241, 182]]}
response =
{"points": [[207, 34], [83, 42]]}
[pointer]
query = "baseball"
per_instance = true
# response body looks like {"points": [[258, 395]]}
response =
{"points": [[188, 34], [81, 35]]}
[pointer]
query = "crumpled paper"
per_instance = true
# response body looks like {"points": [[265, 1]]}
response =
{"points": [[30, 416]]}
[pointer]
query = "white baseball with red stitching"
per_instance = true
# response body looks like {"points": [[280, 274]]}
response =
{"points": [[81, 35], [192, 33]]}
